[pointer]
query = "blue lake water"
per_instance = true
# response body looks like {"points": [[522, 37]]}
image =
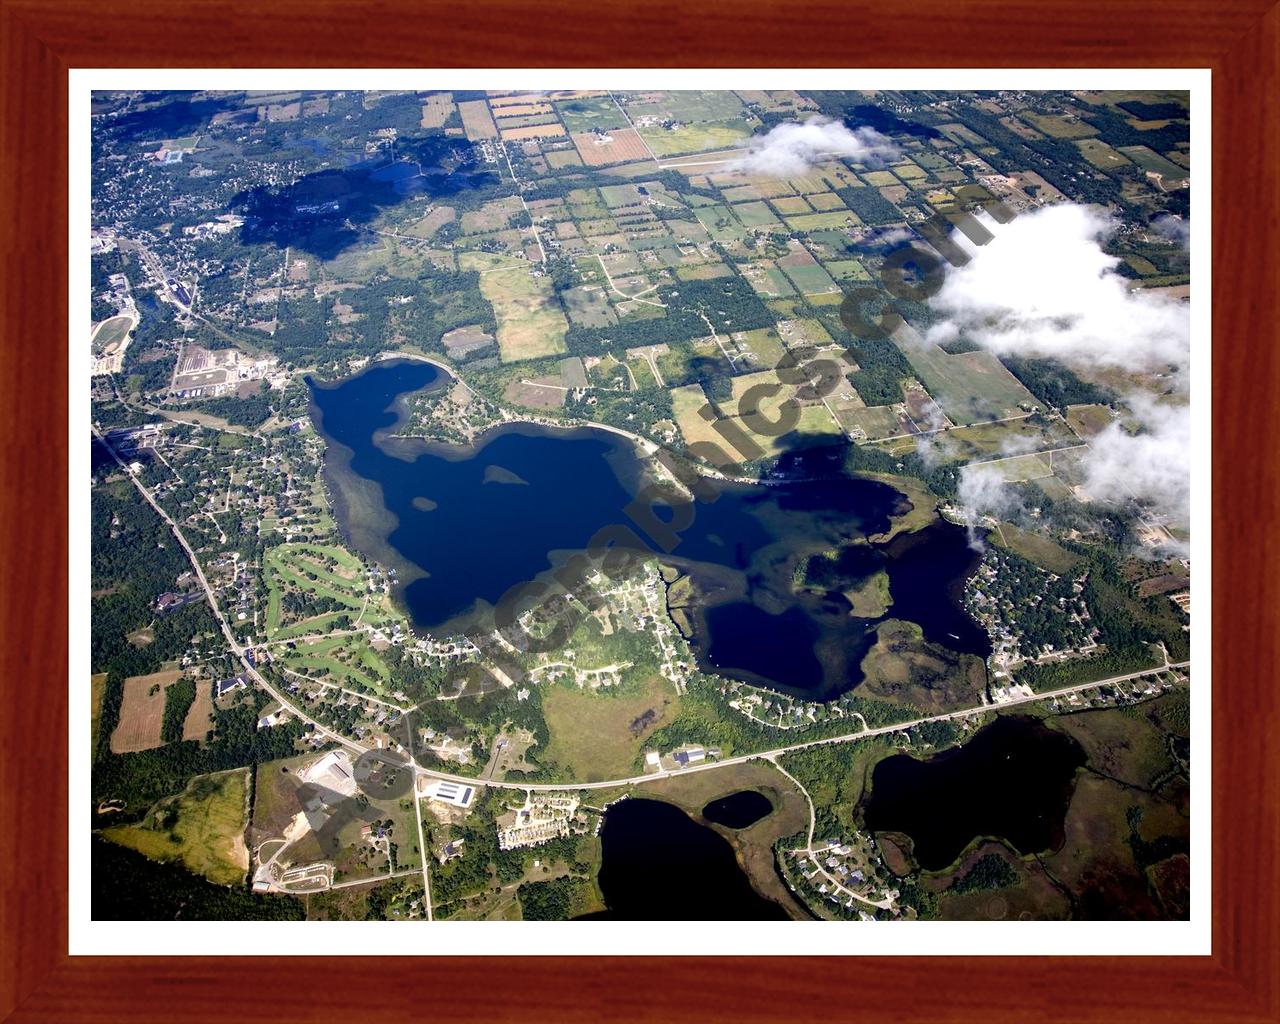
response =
{"points": [[658, 864], [463, 525], [1013, 780]]}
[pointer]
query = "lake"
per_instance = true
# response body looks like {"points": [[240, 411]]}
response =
{"points": [[738, 810], [462, 525], [1013, 780], [658, 864]]}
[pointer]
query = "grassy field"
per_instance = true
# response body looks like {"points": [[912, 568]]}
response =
{"points": [[589, 306], [1100, 154], [97, 689], [811, 279], [1035, 548], [971, 387], [203, 828], [822, 221], [590, 112], [1060, 127], [530, 324], [1149, 160], [755, 215], [685, 403], [987, 440], [767, 279], [704, 137], [1088, 420], [142, 712], [591, 734], [200, 715], [1020, 468], [293, 566], [112, 331]]}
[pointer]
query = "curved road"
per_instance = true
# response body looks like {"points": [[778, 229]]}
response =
{"points": [[770, 755]]}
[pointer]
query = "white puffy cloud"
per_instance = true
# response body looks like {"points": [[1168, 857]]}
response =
{"points": [[793, 148], [982, 491], [1044, 288], [1151, 465], [1175, 229]]}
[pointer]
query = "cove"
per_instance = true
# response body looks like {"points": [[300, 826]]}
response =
{"points": [[738, 810], [1013, 780], [660, 865], [463, 524]]}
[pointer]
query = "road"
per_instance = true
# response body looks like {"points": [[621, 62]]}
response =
{"points": [[884, 904], [239, 651]]}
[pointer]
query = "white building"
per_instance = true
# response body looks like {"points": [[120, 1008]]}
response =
{"points": [[455, 793]]}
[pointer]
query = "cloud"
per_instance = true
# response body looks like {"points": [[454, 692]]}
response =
{"points": [[1044, 288], [793, 148], [1150, 465], [935, 450], [983, 491], [1175, 229]]}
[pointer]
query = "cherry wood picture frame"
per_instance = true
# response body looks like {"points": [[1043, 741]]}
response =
{"points": [[41, 39]]}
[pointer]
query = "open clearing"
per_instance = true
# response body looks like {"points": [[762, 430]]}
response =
{"points": [[97, 689], [623, 145], [530, 323], [436, 109], [476, 120], [142, 712], [971, 387], [111, 332], [202, 828], [592, 734], [200, 715]]}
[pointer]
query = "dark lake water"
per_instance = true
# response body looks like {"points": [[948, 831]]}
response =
{"points": [[463, 525], [1013, 780], [661, 865], [738, 810]]}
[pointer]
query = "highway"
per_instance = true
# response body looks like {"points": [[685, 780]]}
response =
{"points": [[770, 755]]}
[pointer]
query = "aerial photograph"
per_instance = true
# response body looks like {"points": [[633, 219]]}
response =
{"points": [[673, 505]]}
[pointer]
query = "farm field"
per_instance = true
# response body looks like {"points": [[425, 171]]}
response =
{"points": [[1060, 127], [200, 715], [1100, 154], [142, 712], [476, 120], [1149, 160], [589, 113], [1020, 468], [971, 387], [436, 109], [624, 145], [202, 828], [1089, 420], [1015, 436], [683, 105], [696, 138], [530, 323]]}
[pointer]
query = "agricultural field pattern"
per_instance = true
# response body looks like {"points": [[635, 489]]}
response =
{"points": [[679, 505]]}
